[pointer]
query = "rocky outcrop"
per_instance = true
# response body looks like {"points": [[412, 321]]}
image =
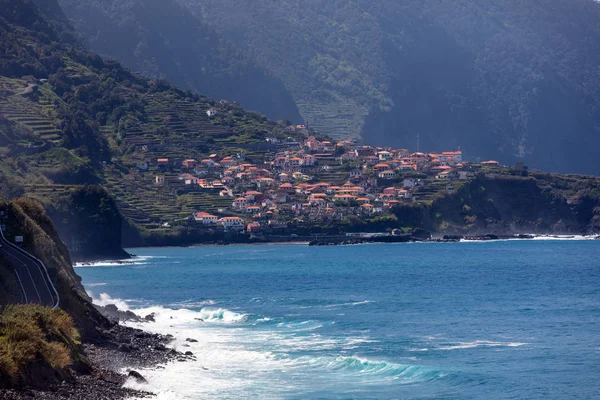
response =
{"points": [[89, 222], [506, 205]]}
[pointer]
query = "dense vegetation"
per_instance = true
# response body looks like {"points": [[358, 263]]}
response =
{"points": [[69, 118], [160, 39], [37, 344], [501, 79]]}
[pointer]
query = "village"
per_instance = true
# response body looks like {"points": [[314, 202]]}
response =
{"points": [[292, 184]]}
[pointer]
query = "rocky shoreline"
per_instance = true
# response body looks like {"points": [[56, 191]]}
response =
{"points": [[121, 348], [342, 241]]}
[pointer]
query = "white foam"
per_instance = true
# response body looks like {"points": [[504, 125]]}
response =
{"points": [[352, 303], [479, 343], [104, 299], [535, 237], [563, 237], [128, 262], [234, 361]]}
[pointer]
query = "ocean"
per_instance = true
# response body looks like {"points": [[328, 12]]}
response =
{"points": [[481, 320]]}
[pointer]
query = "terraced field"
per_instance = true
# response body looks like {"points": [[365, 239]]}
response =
{"points": [[170, 126], [31, 115]]}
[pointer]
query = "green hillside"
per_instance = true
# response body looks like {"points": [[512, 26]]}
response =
{"points": [[69, 118]]}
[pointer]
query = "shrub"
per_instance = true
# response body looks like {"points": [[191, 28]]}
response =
{"points": [[31, 333]]}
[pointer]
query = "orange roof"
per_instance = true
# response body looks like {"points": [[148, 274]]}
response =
{"points": [[163, 160], [240, 199], [367, 205], [201, 214], [363, 199]]}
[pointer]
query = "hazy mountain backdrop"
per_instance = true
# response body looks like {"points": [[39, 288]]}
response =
{"points": [[159, 39], [506, 79]]}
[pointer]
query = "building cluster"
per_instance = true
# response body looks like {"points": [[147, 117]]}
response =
{"points": [[294, 184]]}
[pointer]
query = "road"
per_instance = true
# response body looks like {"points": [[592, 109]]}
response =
{"points": [[25, 91], [36, 286]]}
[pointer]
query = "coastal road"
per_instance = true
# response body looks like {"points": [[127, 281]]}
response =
{"points": [[36, 286]]}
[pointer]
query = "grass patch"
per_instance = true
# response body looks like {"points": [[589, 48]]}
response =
{"points": [[30, 333]]}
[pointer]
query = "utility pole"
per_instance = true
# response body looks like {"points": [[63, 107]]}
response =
{"points": [[418, 142]]}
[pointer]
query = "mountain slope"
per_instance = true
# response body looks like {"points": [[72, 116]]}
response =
{"points": [[159, 39], [501, 79], [68, 118]]}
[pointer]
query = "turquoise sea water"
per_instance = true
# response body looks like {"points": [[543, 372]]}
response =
{"points": [[494, 320]]}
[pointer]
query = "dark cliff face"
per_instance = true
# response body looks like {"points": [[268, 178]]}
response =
{"points": [[89, 222], [510, 205], [159, 39]]}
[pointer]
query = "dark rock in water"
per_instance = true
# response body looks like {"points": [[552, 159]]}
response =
{"points": [[111, 308], [150, 317], [452, 237], [419, 233], [137, 376], [191, 340], [131, 315], [199, 319], [125, 348], [160, 347], [189, 353], [111, 312], [524, 236]]}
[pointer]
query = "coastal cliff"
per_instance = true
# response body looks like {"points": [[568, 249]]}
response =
{"points": [[538, 204], [71, 352], [89, 222]]}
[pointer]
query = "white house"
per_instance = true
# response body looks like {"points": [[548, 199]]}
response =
{"points": [[232, 223], [211, 113], [387, 174], [308, 160], [240, 203], [206, 218], [384, 155]]}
